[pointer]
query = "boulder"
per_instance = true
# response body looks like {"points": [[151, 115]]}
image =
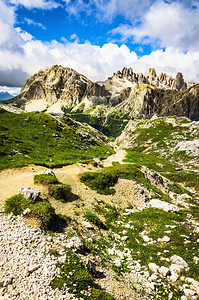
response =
{"points": [[164, 271], [30, 193], [175, 259], [153, 267], [155, 203]]}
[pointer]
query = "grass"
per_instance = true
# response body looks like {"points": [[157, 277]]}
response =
{"points": [[23, 136], [45, 179], [93, 218], [78, 279], [109, 212], [44, 211], [111, 124], [151, 161], [41, 208], [61, 192], [189, 179], [16, 204], [154, 222], [104, 180]]}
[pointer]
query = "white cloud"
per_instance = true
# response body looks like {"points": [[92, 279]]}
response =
{"points": [[166, 25], [9, 38], [41, 4], [11, 90], [21, 55], [109, 9], [31, 22]]}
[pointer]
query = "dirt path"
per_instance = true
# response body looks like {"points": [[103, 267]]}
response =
{"points": [[11, 180], [118, 157]]}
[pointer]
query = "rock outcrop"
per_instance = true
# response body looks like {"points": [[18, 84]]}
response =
{"points": [[135, 94], [58, 85], [163, 81]]}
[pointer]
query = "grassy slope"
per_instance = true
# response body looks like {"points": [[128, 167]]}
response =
{"points": [[40, 139], [110, 125]]}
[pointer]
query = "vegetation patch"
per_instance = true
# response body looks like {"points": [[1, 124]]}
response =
{"points": [[45, 179], [103, 181], [110, 124], [44, 211], [41, 209], [189, 179], [23, 136], [78, 280], [16, 204], [61, 192], [93, 218]]}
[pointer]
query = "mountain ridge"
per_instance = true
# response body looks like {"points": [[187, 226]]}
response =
{"points": [[141, 96]]}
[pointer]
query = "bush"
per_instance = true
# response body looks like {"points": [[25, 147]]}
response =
{"points": [[16, 204], [97, 294], [94, 219], [61, 191], [44, 210], [100, 181], [45, 179]]}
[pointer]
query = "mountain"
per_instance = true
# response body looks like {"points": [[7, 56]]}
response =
{"points": [[134, 95], [5, 96], [56, 87]]}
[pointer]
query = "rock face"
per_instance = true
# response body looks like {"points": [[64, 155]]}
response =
{"points": [[59, 84], [163, 81], [140, 96]]}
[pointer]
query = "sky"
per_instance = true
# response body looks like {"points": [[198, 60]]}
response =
{"points": [[97, 37]]}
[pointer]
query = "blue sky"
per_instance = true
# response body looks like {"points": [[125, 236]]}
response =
{"points": [[97, 38]]}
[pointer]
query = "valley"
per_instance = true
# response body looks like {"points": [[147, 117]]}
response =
{"points": [[113, 209]]}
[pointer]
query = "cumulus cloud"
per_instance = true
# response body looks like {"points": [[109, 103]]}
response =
{"points": [[166, 25], [9, 38], [40, 4], [21, 54], [108, 9], [97, 63]]}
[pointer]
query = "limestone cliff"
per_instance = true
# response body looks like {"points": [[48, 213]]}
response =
{"points": [[143, 101], [135, 94], [59, 86], [127, 77]]}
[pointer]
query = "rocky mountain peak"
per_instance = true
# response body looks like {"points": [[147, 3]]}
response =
{"points": [[162, 81]]}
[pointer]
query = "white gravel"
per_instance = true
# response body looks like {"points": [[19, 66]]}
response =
{"points": [[26, 267]]}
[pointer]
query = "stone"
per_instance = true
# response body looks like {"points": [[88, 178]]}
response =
{"points": [[30, 193], [196, 259], [189, 292], [174, 277], [165, 239], [164, 271], [76, 244], [26, 211], [153, 267], [49, 171], [87, 225], [91, 265], [175, 268], [179, 261], [155, 203], [33, 268]]}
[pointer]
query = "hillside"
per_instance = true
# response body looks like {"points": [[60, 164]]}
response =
{"points": [[39, 138]]}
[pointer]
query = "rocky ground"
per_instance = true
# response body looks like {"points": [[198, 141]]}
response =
{"points": [[137, 259]]}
